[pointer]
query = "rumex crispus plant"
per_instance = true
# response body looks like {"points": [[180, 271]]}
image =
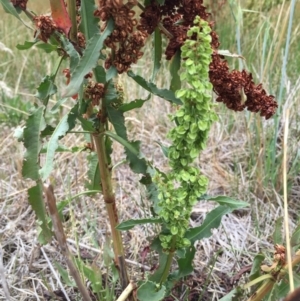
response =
{"points": [[98, 43]]}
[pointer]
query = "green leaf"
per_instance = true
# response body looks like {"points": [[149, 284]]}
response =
{"points": [[60, 149], [157, 52], [47, 47], [59, 132], [9, 8], [277, 234], [295, 239], [152, 192], [58, 104], [164, 149], [88, 60], [111, 73], [100, 74], [111, 93], [122, 141], [92, 274], [71, 51], [46, 89], [117, 119], [47, 131], [255, 270], [87, 125], [26, 45], [151, 87], [135, 104], [185, 264], [64, 275], [149, 291], [284, 286], [132, 149], [32, 142], [127, 225], [36, 201], [228, 201], [174, 68], [212, 221], [229, 296], [89, 25], [136, 162], [94, 179]]}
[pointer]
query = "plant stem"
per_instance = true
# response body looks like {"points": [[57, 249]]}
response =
{"points": [[169, 261], [71, 5], [110, 202], [61, 238]]}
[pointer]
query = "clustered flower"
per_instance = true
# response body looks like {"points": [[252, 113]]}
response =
{"points": [[178, 18], [45, 27], [180, 188], [81, 39], [94, 92], [125, 41], [19, 4], [229, 86]]}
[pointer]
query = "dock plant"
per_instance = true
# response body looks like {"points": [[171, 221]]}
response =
{"points": [[99, 42]]}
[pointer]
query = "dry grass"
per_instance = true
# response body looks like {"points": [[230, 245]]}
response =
{"points": [[28, 270]]}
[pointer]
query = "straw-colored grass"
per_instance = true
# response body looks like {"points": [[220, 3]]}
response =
{"points": [[243, 160]]}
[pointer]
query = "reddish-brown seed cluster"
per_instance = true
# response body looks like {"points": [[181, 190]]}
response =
{"points": [[45, 27], [280, 254], [81, 39], [178, 17], [19, 3], [94, 92], [237, 90], [125, 41], [150, 18]]}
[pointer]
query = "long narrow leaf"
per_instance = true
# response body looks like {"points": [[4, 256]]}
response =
{"points": [[151, 87], [157, 53], [122, 141], [10, 9], [212, 221], [94, 179], [71, 51], [135, 104], [59, 132], [117, 119], [89, 59], [35, 198], [89, 24], [127, 225], [174, 68], [32, 142], [228, 201]]}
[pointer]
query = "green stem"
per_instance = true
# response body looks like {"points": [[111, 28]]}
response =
{"points": [[71, 4], [168, 265], [29, 14]]}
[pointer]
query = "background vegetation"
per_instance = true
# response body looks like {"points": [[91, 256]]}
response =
{"points": [[243, 159]]}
